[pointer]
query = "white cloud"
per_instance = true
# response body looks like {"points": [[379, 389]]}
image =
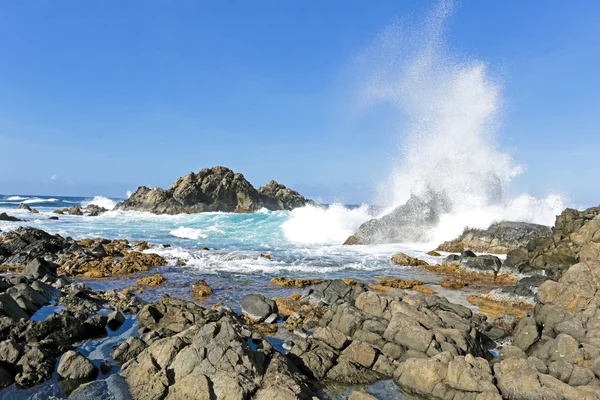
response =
{"points": [[54, 177]]}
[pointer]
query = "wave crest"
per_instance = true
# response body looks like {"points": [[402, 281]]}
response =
{"points": [[99, 201]]}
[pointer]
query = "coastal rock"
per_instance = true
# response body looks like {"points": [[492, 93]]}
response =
{"points": [[5, 217], [446, 377], [211, 189], [257, 308], [73, 365], [75, 210], [115, 320], [404, 260], [151, 281], [24, 206], [298, 283], [575, 237], [209, 358], [200, 289], [408, 223], [499, 238], [276, 196]]}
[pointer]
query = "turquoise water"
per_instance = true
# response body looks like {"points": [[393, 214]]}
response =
{"points": [[305, 242]]}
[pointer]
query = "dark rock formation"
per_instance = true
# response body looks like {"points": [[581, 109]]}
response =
{"points": [[212, 189], [499, 238], [276, 196], [5, 217], [411, 222], [575, 237], [42, 253]]}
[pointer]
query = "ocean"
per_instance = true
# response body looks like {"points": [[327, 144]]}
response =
{"points": [[303, 243]]}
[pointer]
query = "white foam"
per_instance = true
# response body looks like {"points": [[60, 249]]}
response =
{"points": [[188, 233], [100, 201], [39, 200], [330, 225], [16, 198], [450, 108]]}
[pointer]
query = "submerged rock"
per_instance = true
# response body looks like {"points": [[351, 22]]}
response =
{"points": [[212, 189], [200, 289]]}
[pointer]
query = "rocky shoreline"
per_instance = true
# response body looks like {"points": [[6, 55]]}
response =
{"points": [[344, 335]]}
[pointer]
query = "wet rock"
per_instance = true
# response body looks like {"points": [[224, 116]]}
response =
{"points": [[298, 283], [499, 238], [152, 281], [256, 307], [75, 210], [115, 320], [6, 378], [200, 289], [73, 365], [5, 217], [408, 223], [404, 260], [24, 206]]}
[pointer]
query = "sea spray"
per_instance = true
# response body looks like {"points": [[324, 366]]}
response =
{"points": [[327, 225], [100, 201], [450, 109]]}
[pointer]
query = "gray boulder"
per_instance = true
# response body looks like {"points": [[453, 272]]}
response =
{"points": [[73, 365], [256, 307]]}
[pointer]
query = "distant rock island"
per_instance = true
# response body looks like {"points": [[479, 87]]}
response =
{"points": [[213, 189]]}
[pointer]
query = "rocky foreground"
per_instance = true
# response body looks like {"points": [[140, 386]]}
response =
{"points": [[344, 334], [213, 189]]}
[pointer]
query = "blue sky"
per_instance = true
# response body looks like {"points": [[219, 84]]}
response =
{"points": [[97, 98]]}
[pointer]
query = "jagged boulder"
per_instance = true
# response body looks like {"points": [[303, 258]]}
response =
{"points": [[276, 196], [498, 238], [575, 237]]}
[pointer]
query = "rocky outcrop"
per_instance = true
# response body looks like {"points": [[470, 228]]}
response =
{"points": [[9, 218], [499, 238], [408, 223], [276, 196], [367, 336], [212, 189], [87, 257], [192, 352], [200, 289], [575, 237]]}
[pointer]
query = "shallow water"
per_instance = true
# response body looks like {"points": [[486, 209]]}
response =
{"points": [[303, 243], [233, 266]]}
